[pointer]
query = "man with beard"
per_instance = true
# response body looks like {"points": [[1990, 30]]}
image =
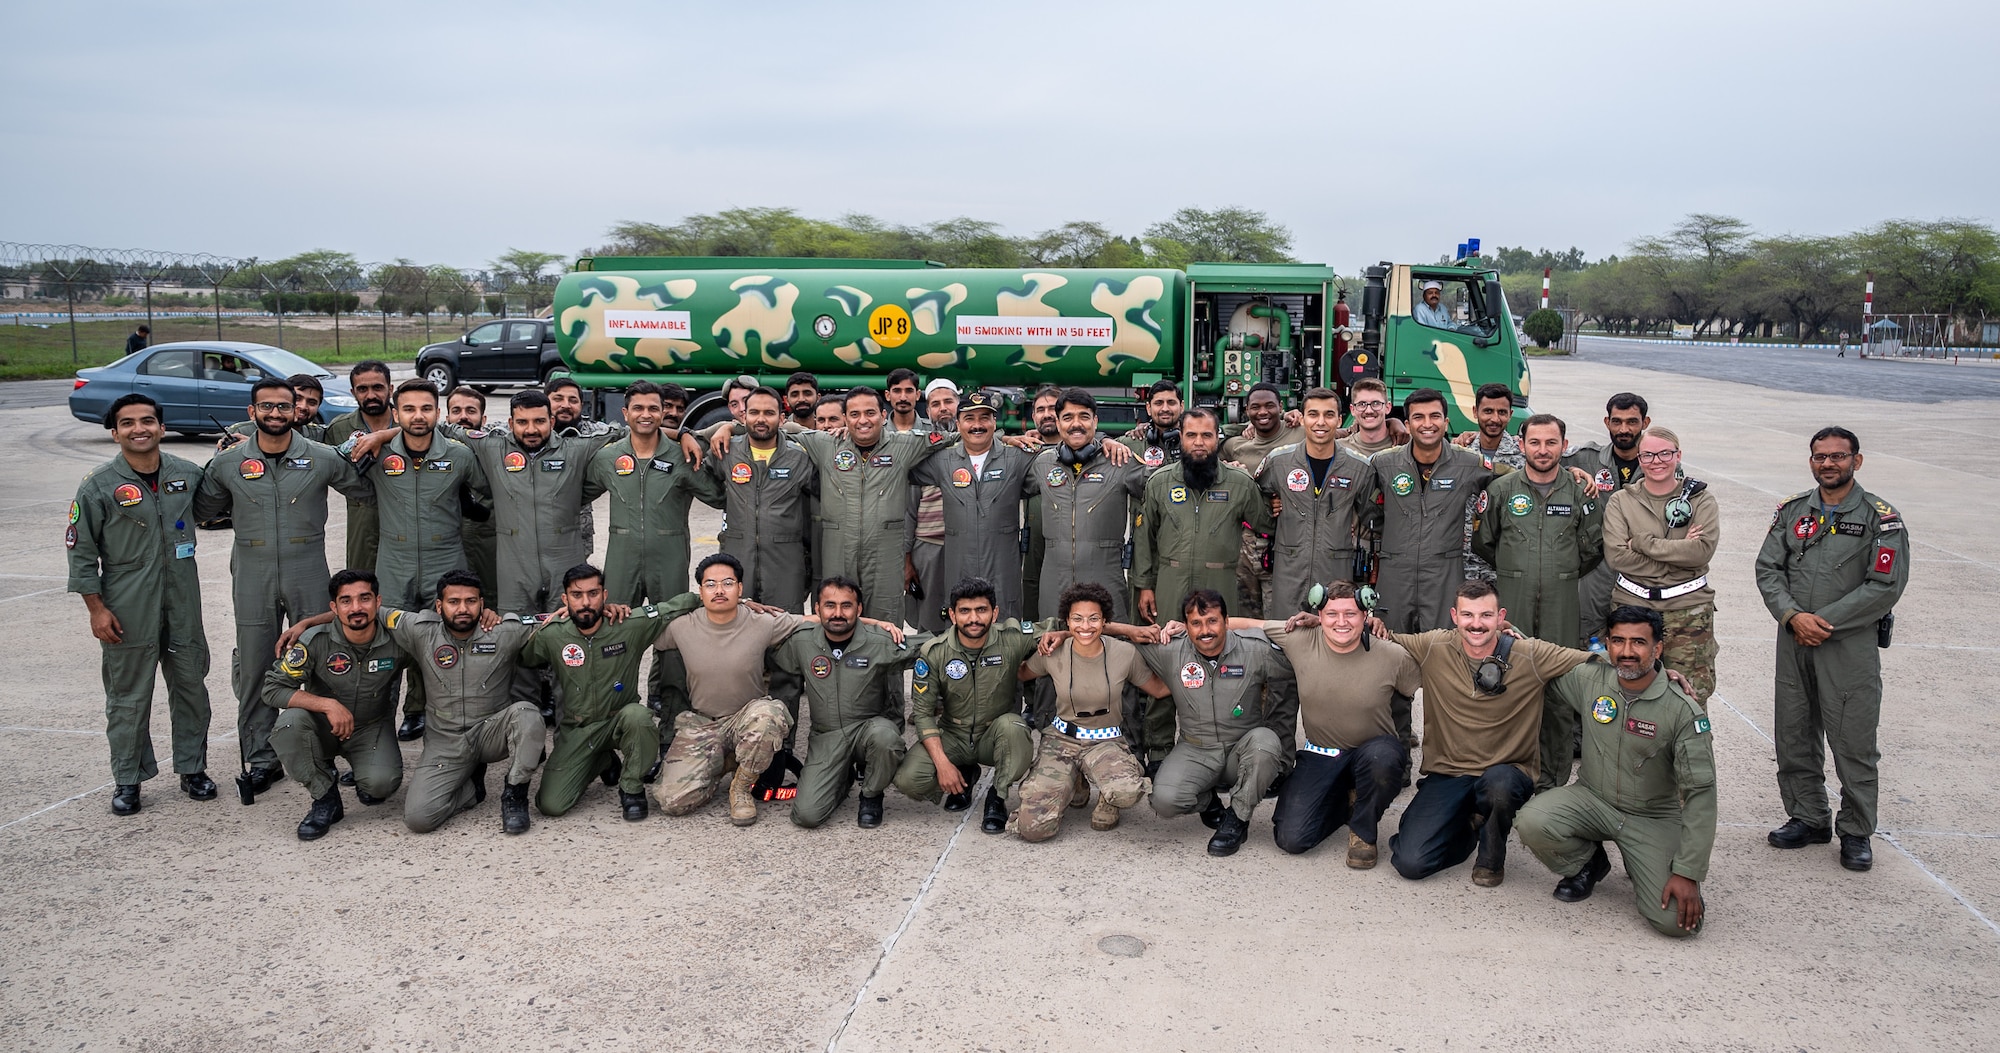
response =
{"points": [[275, 489], [767, 481], [426, 488], [1087, 485], [1319, 493], [335, 693], [1493, 409], [864, 480], [466, 409], [1045, 432], [131, 543], [1611, 466], [981, 483], [1217, 679], [1355, 705], [305, 413], [1188, 535], [924, 549], [1482, 736], [1833, 564], [1423, 488], [566, 413], [1648, 783], [853, 675], [964, 708], [1157, 442], [646, 561], [1267, 432], [1542, 531], [1659, 535], [606, 730], [369, 383], [730, 714], [801, 395]]}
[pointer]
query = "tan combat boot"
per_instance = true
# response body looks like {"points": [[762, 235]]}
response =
{"points": [[1079, 790], [1360, 854], [742, 803], [1105, 815]]}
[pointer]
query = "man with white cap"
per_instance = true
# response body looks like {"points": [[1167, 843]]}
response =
{"points": [[1432, 311]]}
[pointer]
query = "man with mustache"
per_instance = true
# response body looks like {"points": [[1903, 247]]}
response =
{"points": [[1493, 410], [606, 731], [1086, 485], [1648, 782], [1423, 488], [1188, 537], [853, 677], [924, 537], [801, 396], [1045, 432], [335, 693], [981, 483], [1267, 433], [369, 383], [1612, 466], [1158, 441], [466, 408], [275, 489], [1833, 564]]}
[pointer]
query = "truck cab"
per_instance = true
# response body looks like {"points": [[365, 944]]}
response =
{"points": [[1463, 339]]}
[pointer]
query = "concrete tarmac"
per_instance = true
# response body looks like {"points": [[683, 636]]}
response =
{"points": [[209, 926]]}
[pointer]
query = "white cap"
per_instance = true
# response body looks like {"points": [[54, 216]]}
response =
{"points": [[1428, 286], [940, 384]]}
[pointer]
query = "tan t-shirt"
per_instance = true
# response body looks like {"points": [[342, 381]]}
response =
{"points": [[1365, 450], [1249, 449], [1344, 698], [1466, 732], [725, 663], [1090, 691]]}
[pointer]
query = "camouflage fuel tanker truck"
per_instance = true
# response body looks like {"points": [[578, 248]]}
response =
{"points": [[1216, 329]]}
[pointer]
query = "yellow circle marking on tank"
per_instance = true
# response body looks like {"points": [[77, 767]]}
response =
{"points": [[889, 324]]}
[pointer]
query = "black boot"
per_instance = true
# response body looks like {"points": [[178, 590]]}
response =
{"points": [[514, 808], [613, 771], [995, 818], [1229, 834], [868, 815], [1796, 833], [1577, 887], [325, 812], [653, 773], [1277, 785], [366, 797], [634, 805], [125, 799], [958, 802], [478, 784], [1855, 853], [347, 777], [198, 786], [1211, 813], [412, 728], [262, 778]]}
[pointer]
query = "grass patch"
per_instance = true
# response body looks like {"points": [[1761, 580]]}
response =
{"points": [[32, 352], [1544, 352]]}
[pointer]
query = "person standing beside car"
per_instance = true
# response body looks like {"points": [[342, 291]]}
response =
{"points": [[369, 383]]}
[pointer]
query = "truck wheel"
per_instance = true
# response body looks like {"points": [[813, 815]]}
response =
{"points": [[441, 376], [549, 372], [700, 416]]}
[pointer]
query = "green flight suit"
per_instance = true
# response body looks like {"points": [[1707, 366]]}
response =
{"points": [[1593, 590], [1849, 565], [1189, 538], [277, 567], [473, 719], [361, 677], [965, 696], [1313, 539], [1648, 783], [1086, 509], [767, 516], [855, 691], [865, 502], [647, 557], [982, 520], [1035, 545], [420, 504], [1423, 533], [602, 708], [133, 548], [1539, 548], [1226, 741], [481, 538], [363, 532]]}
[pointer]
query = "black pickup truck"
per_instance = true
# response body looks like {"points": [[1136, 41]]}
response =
{"points": [[506, 351]]}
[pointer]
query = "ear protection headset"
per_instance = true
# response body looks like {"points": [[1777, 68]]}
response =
{"points": [[1679, 511], [1315, 601], [1489, 677], [1070, 458]]}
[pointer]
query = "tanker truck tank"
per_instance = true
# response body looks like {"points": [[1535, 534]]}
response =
{"points": [[699, 321]]}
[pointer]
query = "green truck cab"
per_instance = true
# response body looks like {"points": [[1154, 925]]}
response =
{"points": [[1216, 329]]}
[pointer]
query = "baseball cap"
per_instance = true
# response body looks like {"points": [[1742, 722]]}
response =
{"points": [[980, 400]]}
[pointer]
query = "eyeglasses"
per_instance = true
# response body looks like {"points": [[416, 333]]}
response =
{"points": [[1832, 458], [1371, 405], [1659, 456], [272, 407], [721, 583]]}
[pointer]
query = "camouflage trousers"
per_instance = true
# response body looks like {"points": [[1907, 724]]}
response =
{"points": [[1690, 648], [703, 746], [1106, 764], [1253, 582]]}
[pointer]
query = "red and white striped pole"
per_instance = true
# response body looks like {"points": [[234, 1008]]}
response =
{"points": [[1545, 288], [1867, 309]]}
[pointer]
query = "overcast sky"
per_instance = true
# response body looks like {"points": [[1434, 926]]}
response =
{"points": [[451, 132]]}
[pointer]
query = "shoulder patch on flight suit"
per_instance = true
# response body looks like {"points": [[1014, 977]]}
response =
{"points": [[293, 664], [393, 617], [922, 668]]}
